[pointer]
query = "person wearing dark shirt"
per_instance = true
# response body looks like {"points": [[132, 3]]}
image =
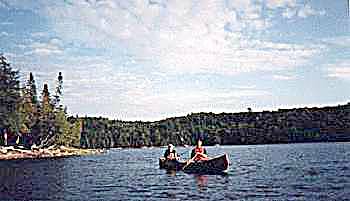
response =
{"points": [[199, 153], [170, 153]]}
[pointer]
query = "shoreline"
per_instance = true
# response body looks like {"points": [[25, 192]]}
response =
{"points": [[219, 145], [19, 153], [12, 153]]}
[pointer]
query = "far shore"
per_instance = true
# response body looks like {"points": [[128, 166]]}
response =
{"points": [[18, 152], [218, 145]]}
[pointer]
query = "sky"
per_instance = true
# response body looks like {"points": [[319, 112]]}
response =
{"points": [[152, 59]]}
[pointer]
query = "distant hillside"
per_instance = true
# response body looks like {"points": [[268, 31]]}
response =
{"points": [[282, 126]]}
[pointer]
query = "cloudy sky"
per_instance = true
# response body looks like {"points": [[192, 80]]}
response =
{"points": [[151, 59]]}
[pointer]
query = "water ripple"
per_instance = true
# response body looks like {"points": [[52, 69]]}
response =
{"points": [[263, 172]]}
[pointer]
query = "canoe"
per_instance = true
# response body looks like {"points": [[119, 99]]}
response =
{"points": [[215, 165], [171, 164]]}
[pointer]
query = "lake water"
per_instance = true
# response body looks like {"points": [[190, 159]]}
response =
{"points": [[319, 171]]}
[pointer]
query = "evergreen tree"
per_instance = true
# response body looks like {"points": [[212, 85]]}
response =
{"points": [[9, 95], [32, 89], [46, 105], [46, 121], [76, 130], [63, 128], [29, 103], [157, 138], [59, 90], [29, 112], [66, 133]]}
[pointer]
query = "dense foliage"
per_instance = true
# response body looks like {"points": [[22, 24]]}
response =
{"points": [[9, 94], [282, 126], [26, 120]]}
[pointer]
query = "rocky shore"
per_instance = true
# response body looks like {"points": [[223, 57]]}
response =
{"points": [[11, 153]]}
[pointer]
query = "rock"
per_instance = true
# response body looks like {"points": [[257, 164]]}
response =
{"points": [[3, 151], [8, 153]]}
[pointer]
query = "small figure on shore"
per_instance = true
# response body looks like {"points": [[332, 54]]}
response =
{"points": [[5, 137], [170, 153], [199, 153], [2, 136]]}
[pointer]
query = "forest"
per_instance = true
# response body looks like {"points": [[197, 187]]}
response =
{"points": [[327, 124], [28, 119]]}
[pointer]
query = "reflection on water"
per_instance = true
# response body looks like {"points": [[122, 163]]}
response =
{"points": [[171, 172], [265, 172], [202, 181]]}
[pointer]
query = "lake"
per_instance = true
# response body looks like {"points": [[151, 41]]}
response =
{"points": [[319, 171]]}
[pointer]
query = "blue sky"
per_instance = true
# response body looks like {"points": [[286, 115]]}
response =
{"points": [[152, 59]]}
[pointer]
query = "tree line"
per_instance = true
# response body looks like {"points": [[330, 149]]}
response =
{"points": [[267, 127], [26, 119]]}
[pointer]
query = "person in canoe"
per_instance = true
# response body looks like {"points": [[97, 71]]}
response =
{"points": [[170, 153], [199, 153]]}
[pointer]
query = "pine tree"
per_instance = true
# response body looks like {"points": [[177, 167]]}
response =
{"points": [[32, 89], [46, 122], [46, 105], [29, 103], [157, 138], [9, 95], [57, 129], [59, 90], [76, 130], [28, 112], [63, 128]]}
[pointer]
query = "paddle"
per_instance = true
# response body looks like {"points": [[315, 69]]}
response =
{"points": [[191, 160]]}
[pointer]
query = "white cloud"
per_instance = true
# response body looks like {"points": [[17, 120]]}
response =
{"points": [[181, 102], [169, 38], [56, 41], [184, 97], [54, 46], [95, 80], [339, 41], [20, 4], [39, 34], [191, 55], [109, 22], [10, 55], [4, 33], [3, 5], [283, 77], [339, 70], [239, 4], [6, 23], [181, 36], [307, 11], [291, 8], [289, 13], [95, 83], [273, 4]]}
